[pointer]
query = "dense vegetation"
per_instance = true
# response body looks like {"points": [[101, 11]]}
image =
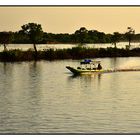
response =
{"points": [[33, 33], [80, 36], [71, 53]]}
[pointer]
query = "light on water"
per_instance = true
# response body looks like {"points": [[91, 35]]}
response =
{"points": [[131, 63], [42, 47], [43, 97]]}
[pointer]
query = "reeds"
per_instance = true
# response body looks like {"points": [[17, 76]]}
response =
{"points": [[78, 52]]}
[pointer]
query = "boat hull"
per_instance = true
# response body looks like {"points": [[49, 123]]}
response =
{"points": [[83, 71]]}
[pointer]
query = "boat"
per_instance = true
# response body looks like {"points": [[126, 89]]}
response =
{"points": [[87, 66]]}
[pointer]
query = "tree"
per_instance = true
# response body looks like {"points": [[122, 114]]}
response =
{"points": [[129, 35], [5, 39], [19, 37], [34, 32], [93, 37], [115, 38], [81, 35]]}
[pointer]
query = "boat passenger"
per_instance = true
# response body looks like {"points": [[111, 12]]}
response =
{"points": [[99, 66]]}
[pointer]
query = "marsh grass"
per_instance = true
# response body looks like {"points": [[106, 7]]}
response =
{"points": [[70, 53]]}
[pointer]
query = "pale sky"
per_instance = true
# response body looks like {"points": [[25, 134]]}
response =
{"points": [[70, 19]]}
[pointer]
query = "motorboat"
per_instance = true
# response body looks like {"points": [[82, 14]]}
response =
{"points": [[87, 66]]}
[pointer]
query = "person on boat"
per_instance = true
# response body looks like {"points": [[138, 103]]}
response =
{"points": [[99, 66]]}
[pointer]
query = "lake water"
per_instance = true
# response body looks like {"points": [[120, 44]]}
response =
{"points": [[44, 97], [25, 47]]}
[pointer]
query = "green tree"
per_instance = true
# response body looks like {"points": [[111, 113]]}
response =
{"points": [[81, 35], [34, 32], [115, 38], [129, 35], [5, 39], [19, 37], [93, 36]]}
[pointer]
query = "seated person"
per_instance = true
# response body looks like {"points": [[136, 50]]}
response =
{"points": [[99, 66]]}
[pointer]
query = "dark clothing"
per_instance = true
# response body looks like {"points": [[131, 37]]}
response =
{"points": [[99, 67]]}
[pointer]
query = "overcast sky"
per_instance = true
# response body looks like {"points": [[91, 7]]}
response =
{"points": [[69, 19]]}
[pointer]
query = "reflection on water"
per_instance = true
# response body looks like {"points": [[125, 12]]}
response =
{"points": [[43, 97], [87, 78], [114, 62]]}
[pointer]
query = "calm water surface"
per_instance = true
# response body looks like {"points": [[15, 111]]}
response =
{"points": [[44, 97]]}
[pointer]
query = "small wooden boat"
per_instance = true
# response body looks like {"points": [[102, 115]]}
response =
{"points": [[87, 67]]}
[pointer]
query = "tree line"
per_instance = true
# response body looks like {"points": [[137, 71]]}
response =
{"points": [[82, 35], [34, 34]]}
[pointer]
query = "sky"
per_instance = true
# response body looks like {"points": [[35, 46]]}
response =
{"points": [[69, 19]]}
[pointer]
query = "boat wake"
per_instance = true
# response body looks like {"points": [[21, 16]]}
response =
{"points": [[122, 70], [130, 65]]}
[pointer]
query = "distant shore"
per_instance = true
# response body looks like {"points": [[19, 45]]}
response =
{"points": [[69, 53]]}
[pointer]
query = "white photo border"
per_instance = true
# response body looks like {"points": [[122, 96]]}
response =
{"points": [[69, 2]]}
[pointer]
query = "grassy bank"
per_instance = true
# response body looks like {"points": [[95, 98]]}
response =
{"points": [[71, 53]]}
